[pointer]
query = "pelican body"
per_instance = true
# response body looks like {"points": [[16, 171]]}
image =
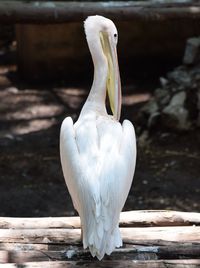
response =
{"points": [[98, 154]]}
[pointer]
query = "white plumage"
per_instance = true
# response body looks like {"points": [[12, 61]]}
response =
{"points": [[98, 154]]}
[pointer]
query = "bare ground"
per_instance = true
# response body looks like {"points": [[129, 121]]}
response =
{"points": [[168, 167]]}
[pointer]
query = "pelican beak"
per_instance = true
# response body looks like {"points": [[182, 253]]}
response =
{"points": [[113, 83]]}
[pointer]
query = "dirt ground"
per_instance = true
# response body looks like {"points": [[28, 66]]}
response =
{"points": [[167, 174]]}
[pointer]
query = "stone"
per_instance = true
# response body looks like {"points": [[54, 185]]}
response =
{"points": [[153, 119], [163, 82], [192, 51], [180, 76], [162, 96], [176, 118], [175, 115], [176, 104], [178, 99], [150, 108]]}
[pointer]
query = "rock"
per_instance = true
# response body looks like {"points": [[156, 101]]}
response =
{"points": [[147, 111], [178, 88], [192, 51], [180, 76], [176, 118], [162, 96], [153, 119], [70, 253], [175, 115], [176, 104], [150, 108], [178, 99], [163, 82]]}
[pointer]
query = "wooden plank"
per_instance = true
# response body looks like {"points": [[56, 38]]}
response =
{"points": [[151, 244], [158, 218], [127, 219], [119, 264], [29, 256], [57, 11], [4, 256], [190, 233], [72, 236], [43, 236], [28, 247], [76, 253], [39, 223]]}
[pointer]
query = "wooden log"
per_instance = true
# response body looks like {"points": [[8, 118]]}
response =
{"points": [[27, 247], [57, 12], [158, 218], [119, 264], [180, 234], [166, 248], [39, 223], [28, 256], [4, 256], [72, 236], [42, 236], [127, 219], [75, 253]]}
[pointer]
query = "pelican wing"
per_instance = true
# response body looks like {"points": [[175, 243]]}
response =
{"points": [[69, 159], [78, 167], [117, 173]]}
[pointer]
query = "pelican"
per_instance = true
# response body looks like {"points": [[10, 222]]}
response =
{"points": [[98, 154]]}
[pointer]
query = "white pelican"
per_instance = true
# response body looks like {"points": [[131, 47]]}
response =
{"points": [[98, 154]]}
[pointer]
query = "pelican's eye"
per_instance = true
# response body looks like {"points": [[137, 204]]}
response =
{"points": [[115, 35]]}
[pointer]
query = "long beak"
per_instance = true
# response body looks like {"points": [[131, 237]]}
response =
{"points": [[113, 78]]}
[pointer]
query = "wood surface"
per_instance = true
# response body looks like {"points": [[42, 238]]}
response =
{"points": [[60, 11], [72, 236], [163, 239], [190, 263], [127, 219]]}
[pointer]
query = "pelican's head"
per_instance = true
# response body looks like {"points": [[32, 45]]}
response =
{"points": [[108, 37]]}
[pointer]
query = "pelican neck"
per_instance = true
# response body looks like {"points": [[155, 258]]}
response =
{"points": [[97, 95]]}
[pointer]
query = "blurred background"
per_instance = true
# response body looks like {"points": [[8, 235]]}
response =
{"points": [[46, 73]]}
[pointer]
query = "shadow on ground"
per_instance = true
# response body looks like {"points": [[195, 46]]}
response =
{"points": [[167, 173]]}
